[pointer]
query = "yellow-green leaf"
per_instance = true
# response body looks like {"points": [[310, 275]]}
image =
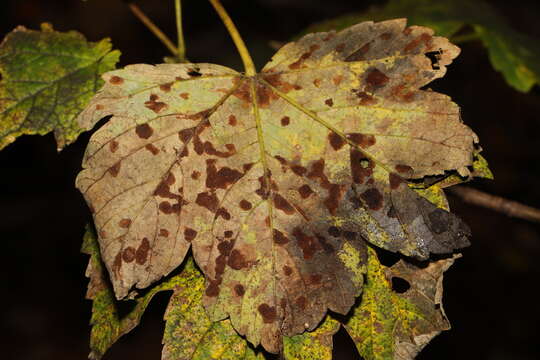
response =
{"points": [[312, 345], [390, 324], [48, 77]]}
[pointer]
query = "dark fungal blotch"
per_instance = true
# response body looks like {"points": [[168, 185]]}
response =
{"points": [[116, 80], [239, 290], [305, 191], [144, 131], [373, 198], [285, 121], [336, 141], [189, 234], [282, 204], [142, 251], [237, 260], [154, 105], [268, 313], [128, 255], [395, 180], [280, 238], [362, 140], [245, 205], [376, 79]]}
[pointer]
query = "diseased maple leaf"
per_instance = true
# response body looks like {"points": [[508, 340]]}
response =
{"points": [[273, 179], [47, 78]]}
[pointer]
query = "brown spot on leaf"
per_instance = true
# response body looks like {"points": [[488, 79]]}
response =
{"points": [[298, 63], [423, 38], [189, 234], [239, 290], [282, 204], [263, 191], [208, 200], [142, 251], [210, 150], [115, 169], [285, 121], [184, 95], [164, 232], [386, 36], [376, 79], [317, 172], [232, 120], [245, 205], [99, 107], [365, 98], [340, 47], [335, 193], [315, 279], [298, 170], [334, 231], [186, 134], [317, 82], [287, 270], [336, 141], [243, 92], [395, 180], [117, 264], [265, 95], [128, 255], [268, 313], [144, 131], [113, 146], [301, 302], [305, 191], [154, 105], [150, 147], [213, 289], [308, 244], [237, 261], [116, 80], [221, 178], [337, 79], [223, 213], [165, 87], [225, 247], [364, 141], [373, 198], [124, 223], [195, 175], [329, 102], [279, 237], [403, 169], [359, 172], [228, 233], [359, 54]]}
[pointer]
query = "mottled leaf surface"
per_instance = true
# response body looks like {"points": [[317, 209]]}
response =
{"points": [[401, 309], [274, 178], [47, 79], [312, 345], [512, 53], [107, 325], [191, 335]]}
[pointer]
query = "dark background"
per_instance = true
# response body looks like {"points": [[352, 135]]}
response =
{"points": [[491, 294]]}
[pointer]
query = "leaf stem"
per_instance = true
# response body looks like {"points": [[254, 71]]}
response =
{"points": [[153, 28], [235, 35], [181, 43]]}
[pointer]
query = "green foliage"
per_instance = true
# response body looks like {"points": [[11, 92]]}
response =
{"points": [[512, 53], [48, 77]]}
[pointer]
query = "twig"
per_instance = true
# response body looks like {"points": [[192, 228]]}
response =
{"points": [[497, 203], [153, 28], [181, 42]]}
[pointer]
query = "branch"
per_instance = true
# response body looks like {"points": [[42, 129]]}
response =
{"points": [[497, 203]]}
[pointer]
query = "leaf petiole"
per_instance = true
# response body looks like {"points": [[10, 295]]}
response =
{"points": [[154, 29], [237, 39]]}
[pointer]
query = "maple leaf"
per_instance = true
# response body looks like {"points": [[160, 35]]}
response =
{"points": [[48, 77], [273, 179]]}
